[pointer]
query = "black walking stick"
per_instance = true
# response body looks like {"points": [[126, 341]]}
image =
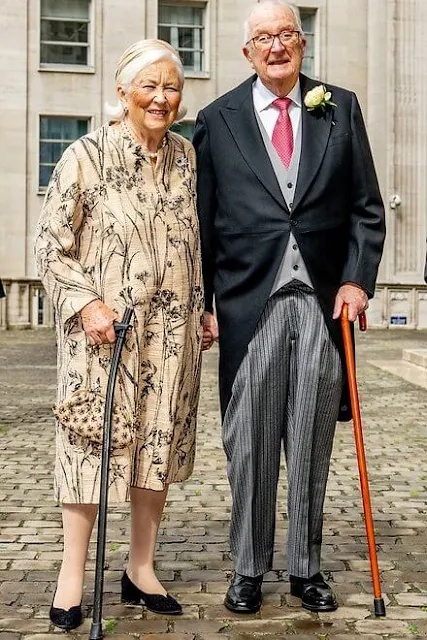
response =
{"points": [[379, 607], [120, 329]]}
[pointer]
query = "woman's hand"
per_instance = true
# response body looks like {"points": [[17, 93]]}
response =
{"points": [[210, 330], [97, 321]]}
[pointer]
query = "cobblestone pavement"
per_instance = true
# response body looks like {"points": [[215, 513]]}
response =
{"points": [[192, 557]]}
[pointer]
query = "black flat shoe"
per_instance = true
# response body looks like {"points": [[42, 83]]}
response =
{"points": [[66, 619], [244, 594], [154, 602], [315, 593]]}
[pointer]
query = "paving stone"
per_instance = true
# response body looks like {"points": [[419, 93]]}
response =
{"points": [[262, 626], [42, 636], [358, 599], [200, 627], [411, 599], [192, 556], [407, 613], [165, 636], [271, 612], [23, 587], [383, 626], [140, 626], [367, 636], [216, 636], [24, 626], [346, 613]]}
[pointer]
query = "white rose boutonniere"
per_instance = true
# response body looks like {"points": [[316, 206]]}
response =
{"points": [[318, 98]]}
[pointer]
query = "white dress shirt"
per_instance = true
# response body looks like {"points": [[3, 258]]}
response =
{"points": [[268, 113]]}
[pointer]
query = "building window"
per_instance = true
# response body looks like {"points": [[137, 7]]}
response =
{"points": [[183, 26], [56, 134], [64, 32], [308, 21], [185, 129]]}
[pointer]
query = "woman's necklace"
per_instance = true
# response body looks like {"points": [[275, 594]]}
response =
{"points": [[151, 154]]}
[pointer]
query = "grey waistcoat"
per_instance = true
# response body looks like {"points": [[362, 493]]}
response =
{"points": [[292, 266]]}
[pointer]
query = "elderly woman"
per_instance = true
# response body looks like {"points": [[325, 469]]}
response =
{"points": [[119, 228]]}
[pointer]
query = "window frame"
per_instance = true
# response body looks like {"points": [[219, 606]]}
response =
{"points": [[204, 5], [41, 189], [89, 67], [314, 11]]}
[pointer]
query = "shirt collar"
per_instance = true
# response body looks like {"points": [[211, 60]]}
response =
{"points": [[263, 97]]}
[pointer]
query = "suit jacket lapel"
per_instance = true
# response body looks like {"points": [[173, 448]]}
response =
{"points": [[240, 118], [315, 134]]}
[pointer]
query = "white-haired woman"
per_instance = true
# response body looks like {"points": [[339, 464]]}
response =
{"points": [[119, 228]]}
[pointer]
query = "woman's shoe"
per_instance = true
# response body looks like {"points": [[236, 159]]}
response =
{"points": [[154, 602], [66, 619]]}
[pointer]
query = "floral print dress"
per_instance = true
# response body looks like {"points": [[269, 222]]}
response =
{"points": [[116, 227]]}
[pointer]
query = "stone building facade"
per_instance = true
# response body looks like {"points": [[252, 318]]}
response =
{"points": [[56, 73]]}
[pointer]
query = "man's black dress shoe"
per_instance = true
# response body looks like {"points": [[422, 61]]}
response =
{"points": [[155, 602], [66, 619], [244, 594], [315, 593]]}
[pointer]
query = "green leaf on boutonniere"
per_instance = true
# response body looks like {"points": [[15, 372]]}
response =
{"points": [[318, 99]]}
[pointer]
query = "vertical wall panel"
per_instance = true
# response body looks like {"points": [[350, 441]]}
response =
{"points": [[410, 153], [13, 109]]}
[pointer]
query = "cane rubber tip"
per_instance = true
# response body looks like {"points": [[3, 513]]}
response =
{"points": [[96, 631], [379, 607]]}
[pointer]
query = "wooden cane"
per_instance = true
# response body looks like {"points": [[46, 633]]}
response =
{"points": [[379, 607]]}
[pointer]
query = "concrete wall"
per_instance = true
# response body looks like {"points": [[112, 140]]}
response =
{"points": [[374, 47]]}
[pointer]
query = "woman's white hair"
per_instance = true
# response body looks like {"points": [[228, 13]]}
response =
{"points": [[136, 58], [247, 28]]}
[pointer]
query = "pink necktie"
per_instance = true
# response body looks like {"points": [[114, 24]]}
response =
{"points": [[283, 139]]}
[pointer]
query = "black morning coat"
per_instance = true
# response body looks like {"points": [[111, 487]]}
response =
{"points": [[337, 214]]}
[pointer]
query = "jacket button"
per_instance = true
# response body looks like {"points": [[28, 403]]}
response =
{"points": [[293, 223]]}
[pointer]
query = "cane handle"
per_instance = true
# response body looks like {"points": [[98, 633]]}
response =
{"points": [[363, 323]]}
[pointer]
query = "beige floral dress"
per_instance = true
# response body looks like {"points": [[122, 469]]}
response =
{"points": [[116, 227]]}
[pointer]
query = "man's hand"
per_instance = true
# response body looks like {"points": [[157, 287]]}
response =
{"points": [[210, 330], [97, 321], [356, 299]]}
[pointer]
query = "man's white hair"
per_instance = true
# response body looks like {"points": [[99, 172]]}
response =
{"points": [[247, 28]]}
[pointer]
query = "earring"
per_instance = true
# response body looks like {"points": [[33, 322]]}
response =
{"points": [[125, 108]]}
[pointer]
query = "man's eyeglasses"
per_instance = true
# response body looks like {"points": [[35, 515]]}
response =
{"points": [[265, 41]]}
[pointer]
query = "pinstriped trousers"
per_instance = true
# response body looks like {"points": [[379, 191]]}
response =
{"points": [[287, 389]]}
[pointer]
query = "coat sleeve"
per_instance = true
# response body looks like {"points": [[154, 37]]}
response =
{"points": [[56, 240], [367, 216], [206, 206]]}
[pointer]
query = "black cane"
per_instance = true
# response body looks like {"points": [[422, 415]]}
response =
{"points": [[120, 329]]}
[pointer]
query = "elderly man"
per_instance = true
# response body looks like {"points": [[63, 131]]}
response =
{"points": [[292, 227]]}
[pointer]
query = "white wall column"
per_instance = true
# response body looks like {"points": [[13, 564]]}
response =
{"points": [[13, 108]]}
